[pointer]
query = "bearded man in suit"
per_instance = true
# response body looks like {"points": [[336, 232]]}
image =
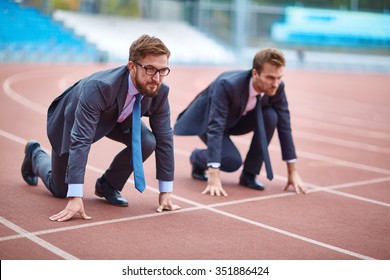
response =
{"points": [[236, 103], [101, 105]]}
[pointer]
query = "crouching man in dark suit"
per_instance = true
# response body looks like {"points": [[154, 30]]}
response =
{"points": [[236, 103], [104, 104]]}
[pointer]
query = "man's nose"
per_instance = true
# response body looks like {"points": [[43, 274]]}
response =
{"points": [[156, 76]]}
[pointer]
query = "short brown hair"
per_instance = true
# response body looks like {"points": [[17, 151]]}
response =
{"points": [[270, 55], [145, 45]]}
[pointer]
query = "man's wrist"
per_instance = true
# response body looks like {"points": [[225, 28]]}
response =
{"points": [[213, 171], [291, 167]]}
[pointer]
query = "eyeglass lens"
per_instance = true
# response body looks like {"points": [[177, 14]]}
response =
{"points": [[153, 71]]}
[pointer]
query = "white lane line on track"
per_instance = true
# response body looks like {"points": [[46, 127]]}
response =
{"points": [[341, 142], [7, 87], [25, 234], [197, 207], [332, 160], [309, 124]]}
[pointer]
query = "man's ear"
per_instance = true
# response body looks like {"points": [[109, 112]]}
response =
{"points": [[130, 66], [254, 73]]}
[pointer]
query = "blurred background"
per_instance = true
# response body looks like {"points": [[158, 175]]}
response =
{"points": [[326, 34]]}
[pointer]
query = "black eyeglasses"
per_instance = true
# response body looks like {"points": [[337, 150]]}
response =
{"points": [[151, 71]]}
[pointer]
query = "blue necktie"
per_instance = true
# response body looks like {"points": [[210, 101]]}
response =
{"points": [[139, 178], [263, 140]]}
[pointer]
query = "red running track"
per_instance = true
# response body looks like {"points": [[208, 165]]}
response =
{"points": [[341, 125]]}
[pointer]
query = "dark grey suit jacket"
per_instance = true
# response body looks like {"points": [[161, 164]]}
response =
{"points": [[88, 110], [221, 105]]}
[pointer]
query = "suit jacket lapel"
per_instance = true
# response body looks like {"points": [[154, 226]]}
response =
{"points": [[264, 100], [122, 94], [145, 104], [244, 93]]}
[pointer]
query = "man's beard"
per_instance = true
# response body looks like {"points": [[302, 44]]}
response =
{"points": [[271, 92], [145, 91]]}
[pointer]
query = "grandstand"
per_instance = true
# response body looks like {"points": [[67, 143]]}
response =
{"points": [[26, 35], [114, 35]]}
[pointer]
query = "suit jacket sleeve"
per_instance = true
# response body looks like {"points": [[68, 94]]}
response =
{"points": [[160, 124], [219, 111], [91, 103]]}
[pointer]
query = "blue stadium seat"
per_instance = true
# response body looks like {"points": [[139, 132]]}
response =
{"points": [[28, 35]]}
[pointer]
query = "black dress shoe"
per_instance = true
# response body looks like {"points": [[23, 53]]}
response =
{"points": [[251, 182], [112, 196], [27, 172], [198, 174]]}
